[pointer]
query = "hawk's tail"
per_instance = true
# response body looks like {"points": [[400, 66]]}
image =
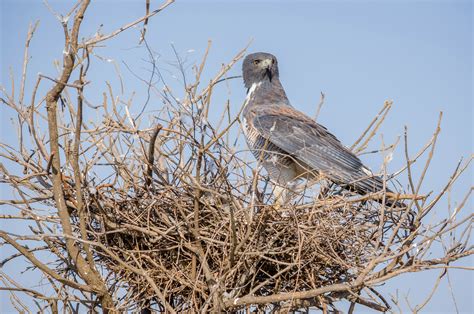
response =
{"points": [[374, 184]]}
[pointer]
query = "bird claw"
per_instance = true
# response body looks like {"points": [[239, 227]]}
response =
{"points": [[277, 206]]}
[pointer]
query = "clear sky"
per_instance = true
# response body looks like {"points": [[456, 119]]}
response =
{"points": [[359, 53]]}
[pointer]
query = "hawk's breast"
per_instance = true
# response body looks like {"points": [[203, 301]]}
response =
{"points": [[277, 162], [274, 159]]}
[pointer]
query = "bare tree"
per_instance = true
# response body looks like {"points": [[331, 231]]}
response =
{"points": [[176, 218]]}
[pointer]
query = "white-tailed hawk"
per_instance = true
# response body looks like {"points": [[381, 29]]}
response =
{"points": [[289, 144]]}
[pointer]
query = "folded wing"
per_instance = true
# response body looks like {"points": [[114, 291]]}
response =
{"points": [[313, 146]]}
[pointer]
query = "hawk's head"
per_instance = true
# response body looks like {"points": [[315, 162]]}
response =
{"points": [[259, 67]]}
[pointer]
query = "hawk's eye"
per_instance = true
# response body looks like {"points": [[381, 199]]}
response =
{"points": [[256, 61]]}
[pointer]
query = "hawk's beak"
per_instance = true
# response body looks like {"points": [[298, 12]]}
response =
{"points": [[268, 73], [267, 65]]}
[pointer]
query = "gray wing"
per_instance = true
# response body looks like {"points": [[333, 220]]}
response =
{"points": [[312, 145]]}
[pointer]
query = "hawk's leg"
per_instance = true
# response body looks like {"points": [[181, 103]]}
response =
{"points": [[284, 193], [280, 194], [282, 174]]}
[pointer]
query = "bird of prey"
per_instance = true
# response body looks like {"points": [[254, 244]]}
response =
{"points": [[289, 144]]}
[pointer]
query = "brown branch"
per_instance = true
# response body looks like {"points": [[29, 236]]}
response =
{"points": [[377, 119], [77, 172], [101, 38], [85, 271], [30, 256], [31, 31], [286, 296], [151, 155], [145, 24], [320, 105]]}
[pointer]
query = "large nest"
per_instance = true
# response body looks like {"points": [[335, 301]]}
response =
{"points": [[191, 220], [259, 250]]}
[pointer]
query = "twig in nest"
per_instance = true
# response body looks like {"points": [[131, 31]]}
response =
{"points": [[151, 155]]}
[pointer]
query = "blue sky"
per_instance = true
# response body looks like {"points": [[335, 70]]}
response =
{"points": [[359, 53]]}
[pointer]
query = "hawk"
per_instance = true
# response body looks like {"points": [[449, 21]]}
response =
{"points": [[289, 144]]}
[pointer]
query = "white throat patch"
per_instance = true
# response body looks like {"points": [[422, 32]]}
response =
{"points": [[251, 91], [247, 99]]}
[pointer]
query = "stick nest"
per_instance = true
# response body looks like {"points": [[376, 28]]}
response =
{"points": [[206, 229]]}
